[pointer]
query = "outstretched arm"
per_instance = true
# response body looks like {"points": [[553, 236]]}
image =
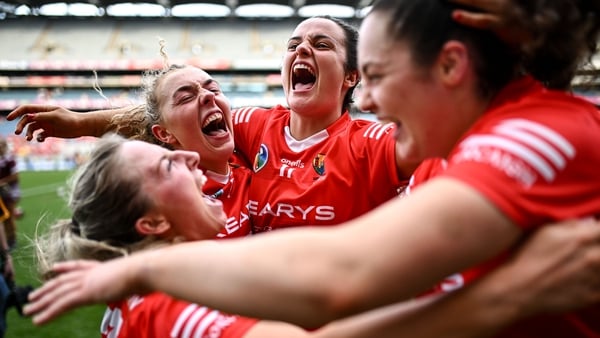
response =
{"points": [[311, 276], [54, 121], [556, 270]]}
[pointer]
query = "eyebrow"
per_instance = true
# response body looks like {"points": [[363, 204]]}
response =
{"points": [[313, 37], [365, 67], [160, 161], [188, 87]]}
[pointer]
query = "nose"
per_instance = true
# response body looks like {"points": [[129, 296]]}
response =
{"points": [[190, 158], [206, 96], [303, 49], [364, 102]]}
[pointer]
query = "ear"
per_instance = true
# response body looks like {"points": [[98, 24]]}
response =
{"points": [[351, 79], [152, 224], [453, 63], [163, 134]]}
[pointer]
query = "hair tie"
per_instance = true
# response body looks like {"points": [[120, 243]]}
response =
{"points": [[75, 227]]}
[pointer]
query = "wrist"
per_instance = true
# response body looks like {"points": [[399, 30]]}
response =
{"points": [[88, 124], [506, 296]]}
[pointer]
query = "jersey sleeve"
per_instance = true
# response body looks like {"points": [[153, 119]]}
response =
{"points": [[159, 315], [536, 169], [372, 149], [248, 124]]}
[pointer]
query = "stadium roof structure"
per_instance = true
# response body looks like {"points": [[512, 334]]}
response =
{"points": [[168, 8]]}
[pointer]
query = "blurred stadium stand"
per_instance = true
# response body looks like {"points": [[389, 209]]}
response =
{"points": [[57, 59], [52, 59]]}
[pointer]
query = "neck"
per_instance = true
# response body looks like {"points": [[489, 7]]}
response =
{"points": [[221, 168], [302, 127]]}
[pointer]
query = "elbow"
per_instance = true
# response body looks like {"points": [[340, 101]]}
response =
{"points": [[343, 299]]}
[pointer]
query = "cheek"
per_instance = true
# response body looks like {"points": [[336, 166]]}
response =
{"points": [[286, 64], [389, 101], [223, 103], [185, 124]]}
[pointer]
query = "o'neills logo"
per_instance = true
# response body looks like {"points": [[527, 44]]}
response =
{"points": [[261, 158], [319, 164]]}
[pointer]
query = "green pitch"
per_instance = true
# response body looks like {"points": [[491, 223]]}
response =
{"points": [[43, 202]]}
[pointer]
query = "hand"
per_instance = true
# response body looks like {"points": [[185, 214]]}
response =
{"points": [[79, 283], [558, 268], [497, 16], [47, 121]]}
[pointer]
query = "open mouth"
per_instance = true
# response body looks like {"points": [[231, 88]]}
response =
{"points": [[303, 77], [214, 124]]}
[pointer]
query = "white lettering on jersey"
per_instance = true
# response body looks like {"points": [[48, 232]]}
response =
{"points": [[325, 213], [296, 164], [286, 171], [320, 213], [542, 149], [252, 207], [243, 115], [232, 225], [452, 283], [377, 130], [506, 162], [111, 323]]}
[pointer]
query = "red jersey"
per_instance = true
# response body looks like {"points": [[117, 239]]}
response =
{"points": [[157, 315], [333, 176], [232, 191], [534, 154]]}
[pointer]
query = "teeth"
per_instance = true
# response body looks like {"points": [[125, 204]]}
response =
{"points": [[303, 66], [211, 118]]}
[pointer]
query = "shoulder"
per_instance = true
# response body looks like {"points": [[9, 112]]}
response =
{"points": [[565, 123], [370, 131], [250, 114], [167, 316], [532, 143]]}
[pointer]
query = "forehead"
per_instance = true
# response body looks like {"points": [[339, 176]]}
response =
{"points": [[180, 77], [374, 43], [142, 155], [319, 27]]}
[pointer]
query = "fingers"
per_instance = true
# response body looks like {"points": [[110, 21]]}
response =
{"points": [[41, 136], [31, 128], [61, 294], [67, 266], [477, 20], [31, 124], [52, 300], [23, 122], [32, 118], [29, 109], [483, 5], [585, 230]]}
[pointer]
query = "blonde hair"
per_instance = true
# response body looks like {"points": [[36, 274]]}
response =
{"points": [[137, 122], [106, 199]]}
